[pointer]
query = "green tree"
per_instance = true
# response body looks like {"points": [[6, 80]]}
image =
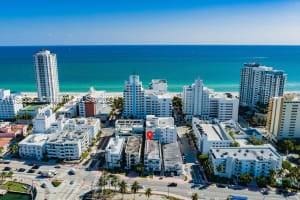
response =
{"points": [[261, 181], [195, 196], [286, 183], [287, 146], [9, 174], [148, 193], [123, 188], [14, 148], [102, 182], [134, 188], [3, 176], [245, 179], [286, 165], [114, 180], [139, 168], [235, 144]]}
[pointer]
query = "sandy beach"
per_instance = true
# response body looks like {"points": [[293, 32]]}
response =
{"points": [[120, 94]]}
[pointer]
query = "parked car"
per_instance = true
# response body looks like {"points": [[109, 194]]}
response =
{"points": [[7, 169], [221, 185], [35, 167], [172, 184], [21, 170], [31, 171]]}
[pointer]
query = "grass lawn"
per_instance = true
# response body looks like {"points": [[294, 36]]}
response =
{"points": [[56, 183], [15, 186]]}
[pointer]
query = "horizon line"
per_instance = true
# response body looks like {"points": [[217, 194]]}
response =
{"points": [[154, 44]]}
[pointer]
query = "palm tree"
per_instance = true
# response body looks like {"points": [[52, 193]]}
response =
{"points": [[123, 188], [148, 193], [114, 180], [14, 148], [9, 174], [2, 175], [134, 188], [195, 196], [102, 182]]}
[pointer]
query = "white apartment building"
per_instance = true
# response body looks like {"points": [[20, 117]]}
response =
{"points": [[159, 85], [259, 84], [69, 110], [133, 151], [67, 144], [90, 125], [163, 128], [223, 107], [172, 159], [134, 98], [210, 134], [114, 152], [129, 127], [10, 104], [283, 121], [152, 156], [46, 76], [195, 99], [234, 161], [205, 103], [33, 146], [139, 102], [43, 120], [158, 104]]}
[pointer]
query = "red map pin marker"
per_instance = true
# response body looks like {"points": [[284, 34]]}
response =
{"points": [[149, 135]]}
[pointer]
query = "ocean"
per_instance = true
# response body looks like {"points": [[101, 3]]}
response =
{"points": [[107, 67]]}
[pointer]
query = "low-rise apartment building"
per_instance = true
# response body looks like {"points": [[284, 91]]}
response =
{"points": [[172, 159], [129, 127], [43, 120], [114, 152], [133, 151], [69, 110], [152, 156], [210, 134], [234, 161], [67, 145], [33, 146]]}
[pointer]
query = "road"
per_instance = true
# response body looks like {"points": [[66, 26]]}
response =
{"points": [[212, 192]]}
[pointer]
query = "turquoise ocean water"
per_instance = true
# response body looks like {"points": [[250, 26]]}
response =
{"points": [[107, 67]]}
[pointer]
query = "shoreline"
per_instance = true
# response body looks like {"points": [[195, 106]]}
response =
{"points": [[119, 94]]}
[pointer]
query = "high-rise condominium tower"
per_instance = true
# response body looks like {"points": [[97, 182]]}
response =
{"points": [[284, 117], [259, 84], [195, 100], [134, 98], [46, 76]]}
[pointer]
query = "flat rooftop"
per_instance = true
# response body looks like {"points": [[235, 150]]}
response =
{"points": [[67, 136], [162, 122], [212, 130], [258, 153], [115, 145], [133, 145], [171, 154], [152, 149], [35, 139]]}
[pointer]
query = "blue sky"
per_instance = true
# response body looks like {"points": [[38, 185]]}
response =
{"points": [[63, 22]]}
